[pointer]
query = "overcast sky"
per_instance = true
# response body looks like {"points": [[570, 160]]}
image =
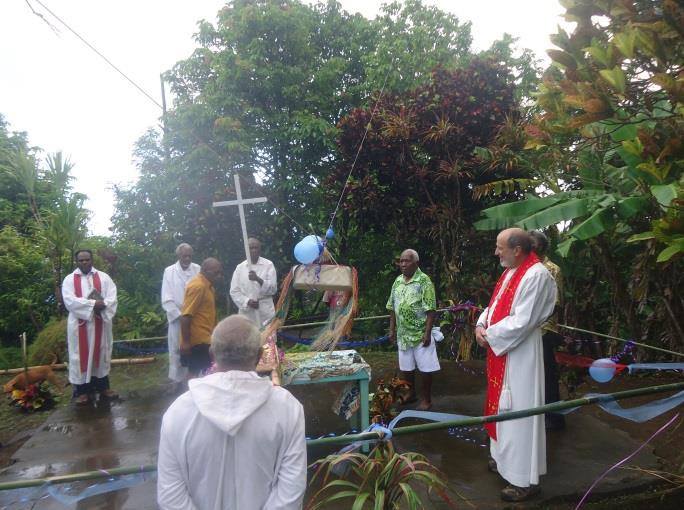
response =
{"points": [[56, 89]]}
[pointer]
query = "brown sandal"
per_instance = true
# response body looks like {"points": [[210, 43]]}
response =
{"points": [[513, 493]]}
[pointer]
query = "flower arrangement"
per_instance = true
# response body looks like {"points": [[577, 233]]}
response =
{"points": [[35, 397]]}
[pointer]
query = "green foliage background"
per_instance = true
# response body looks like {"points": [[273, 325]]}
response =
{"points": [[281, 93]]}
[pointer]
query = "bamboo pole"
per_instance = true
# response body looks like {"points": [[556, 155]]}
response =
{"points": [[63, 366], [133, 340], [77, 477], [350, 438], [24, 355], [572, 328], [376, 317], [512, 415]]}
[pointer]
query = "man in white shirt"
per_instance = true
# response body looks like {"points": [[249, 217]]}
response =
{"points": [[234, 440], [90, 297], [175, 278], [253, 285]]}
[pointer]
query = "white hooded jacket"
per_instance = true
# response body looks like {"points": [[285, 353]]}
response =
{"points": [[233, 441]]}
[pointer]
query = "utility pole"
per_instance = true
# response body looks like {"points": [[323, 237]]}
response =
{"points": [[163, 98]]}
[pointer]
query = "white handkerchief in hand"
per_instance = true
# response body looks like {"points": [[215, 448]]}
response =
{"points": [[437, 335]]}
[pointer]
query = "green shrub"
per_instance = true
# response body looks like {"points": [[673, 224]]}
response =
{"points": [[52, 339], [10, 357]]}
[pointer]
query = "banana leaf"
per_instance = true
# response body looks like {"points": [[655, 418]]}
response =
{"points": [[594, 225], [565, 211]]}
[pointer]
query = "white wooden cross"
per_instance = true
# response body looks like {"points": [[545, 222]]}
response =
{"points": [[240, 202]]}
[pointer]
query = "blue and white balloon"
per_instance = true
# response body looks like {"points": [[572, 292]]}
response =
{"points": [[602, 370], [308, 249]]}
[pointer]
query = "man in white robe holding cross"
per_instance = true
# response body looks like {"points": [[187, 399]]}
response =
{"points": [[510, 330], [254, 280], [253, 285]]}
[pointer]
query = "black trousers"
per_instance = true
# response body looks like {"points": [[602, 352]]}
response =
{"points": [[551, 341], [96, 385]]}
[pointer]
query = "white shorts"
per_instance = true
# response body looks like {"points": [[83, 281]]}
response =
{"points": [[425, 358]]}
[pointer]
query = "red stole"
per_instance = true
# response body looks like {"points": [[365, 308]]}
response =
{"points": [[496, 365], [83, 353]]}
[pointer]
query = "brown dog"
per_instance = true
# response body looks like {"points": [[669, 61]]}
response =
{"points": [[35, 375]]}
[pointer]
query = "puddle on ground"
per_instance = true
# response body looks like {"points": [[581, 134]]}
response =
{"points": [[62, 428]]}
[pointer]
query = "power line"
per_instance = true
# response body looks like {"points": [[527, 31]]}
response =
{"points": [[154, 101], [125, 76]]}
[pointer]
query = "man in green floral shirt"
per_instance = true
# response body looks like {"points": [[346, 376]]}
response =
{"points": [[412, 309]]}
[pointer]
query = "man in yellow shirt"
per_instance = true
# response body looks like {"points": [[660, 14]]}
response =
{"points": [[551, 339], [198, 317]]}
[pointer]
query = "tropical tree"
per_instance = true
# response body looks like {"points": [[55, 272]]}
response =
{"points": [[42, 221], [414, 175], [262, 96], [605, 152]]}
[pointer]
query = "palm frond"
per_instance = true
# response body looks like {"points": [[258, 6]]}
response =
{"points": [[504, 187]]}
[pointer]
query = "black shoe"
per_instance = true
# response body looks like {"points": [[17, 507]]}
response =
{"points": [[513, 493], [491, 465]]}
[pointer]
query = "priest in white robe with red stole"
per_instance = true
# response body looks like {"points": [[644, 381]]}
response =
{"points": [[175, 278], [90, 297], [510, 329]]}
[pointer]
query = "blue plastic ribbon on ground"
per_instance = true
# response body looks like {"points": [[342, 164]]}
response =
{"points": [[67, 493], [62, 492], [654, 366], [637, 414], [425, 415]]}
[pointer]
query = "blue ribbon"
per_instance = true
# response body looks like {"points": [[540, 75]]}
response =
{"points": [[638, 414], [654, 366], [348, 344]]}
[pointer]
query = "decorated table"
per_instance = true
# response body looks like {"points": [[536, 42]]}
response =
{"points": [[328, 367]]}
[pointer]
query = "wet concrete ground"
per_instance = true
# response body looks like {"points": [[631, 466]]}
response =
{"points": [[126, 434]]}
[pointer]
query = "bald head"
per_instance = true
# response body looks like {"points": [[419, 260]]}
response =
{"points": [[212, 269], [236, 344], [513, 245], [254, 246]]}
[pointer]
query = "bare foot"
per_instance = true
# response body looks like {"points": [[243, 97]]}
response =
{"points": [[424, 406]]}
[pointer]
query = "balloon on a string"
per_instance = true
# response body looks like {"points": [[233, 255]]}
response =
{"points": [[308, 249], [330, 233], [602, 370]]}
